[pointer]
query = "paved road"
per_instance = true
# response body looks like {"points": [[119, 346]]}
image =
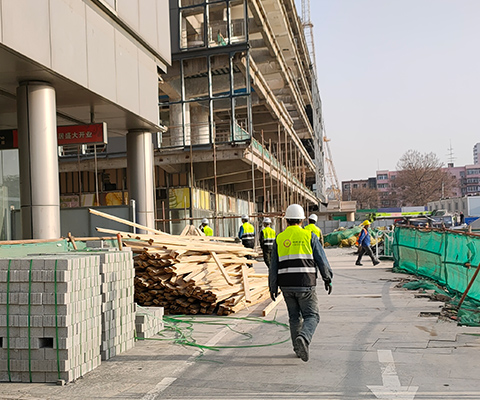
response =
{"points": [[372, 342]]}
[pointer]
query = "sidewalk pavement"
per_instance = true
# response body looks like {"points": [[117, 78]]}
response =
{"points": [[374, 341]]}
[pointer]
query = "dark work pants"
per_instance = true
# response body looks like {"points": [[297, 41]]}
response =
{"points": [[267, 254], [366, 250], [303, 314]]}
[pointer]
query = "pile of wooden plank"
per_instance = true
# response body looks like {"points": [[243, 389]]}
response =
{"points": [[193, 274]]}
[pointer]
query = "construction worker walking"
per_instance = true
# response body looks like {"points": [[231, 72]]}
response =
{"points": [[312, 220], [297, 256], [205, 228], [267, 237], [364, 245], [247, 233]]}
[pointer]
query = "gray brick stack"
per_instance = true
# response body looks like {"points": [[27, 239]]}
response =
{"points": [[118, 308], [148, 322], [37, 321], [91, 317]]}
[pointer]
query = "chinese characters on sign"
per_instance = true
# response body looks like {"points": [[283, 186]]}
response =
{"points": [[82, 134], [74, 134]]}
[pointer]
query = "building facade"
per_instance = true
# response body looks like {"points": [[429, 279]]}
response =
{"points": [[243, 122], [226, 87], [71, 63], [476, 152]]}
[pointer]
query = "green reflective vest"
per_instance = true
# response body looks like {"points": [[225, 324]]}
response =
{"points": [[315, 229], [296, 266], [248, 231], [268, 236], [207, 231]]}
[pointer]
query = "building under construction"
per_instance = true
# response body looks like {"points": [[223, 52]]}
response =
{"points": [[240, 112], [240, 123]]}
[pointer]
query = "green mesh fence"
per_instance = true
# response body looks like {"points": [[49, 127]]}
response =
{"points": [[440, 256]]}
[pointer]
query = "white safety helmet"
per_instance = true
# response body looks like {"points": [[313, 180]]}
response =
{"points": [[244, 217], [313, 217], [205, 221], [295, 211], [267, 220]]}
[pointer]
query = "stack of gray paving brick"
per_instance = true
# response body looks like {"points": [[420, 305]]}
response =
{"points": [[50, 317], [148, 321], [118, 307]]}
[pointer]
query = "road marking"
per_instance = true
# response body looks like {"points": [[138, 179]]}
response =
{"points": [[167, 381], [160, 387], [391, 389]]}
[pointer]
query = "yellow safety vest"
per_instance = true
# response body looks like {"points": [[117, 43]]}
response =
{"points": [[268, 236], [207, 231], [248, 231], [315, 229], [296, 265]]}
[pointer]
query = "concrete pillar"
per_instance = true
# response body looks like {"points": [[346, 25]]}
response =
{"points": [[200, 132], [140, 176], [351, 216], [38, 155], [179, 133]]}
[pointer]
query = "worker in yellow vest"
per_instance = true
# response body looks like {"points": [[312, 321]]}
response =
{"points": [[247, 233], [205, 228], [297, 257], [267, 237], [312, 220]]}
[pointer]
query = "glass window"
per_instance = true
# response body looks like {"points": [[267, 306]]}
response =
{"points": [[171, 116], [185, 3], [195, 78], [241, 125], [9, 190], [220, 75], [237, 17], [191, 27], [199, 122], [239, 77], [222, 111], [217, 25]]}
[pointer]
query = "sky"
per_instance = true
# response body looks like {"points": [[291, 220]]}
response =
{"points": [[396, 75]]}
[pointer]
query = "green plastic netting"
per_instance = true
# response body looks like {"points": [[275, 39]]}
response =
{"points": [[334, 238], [447, 258]]}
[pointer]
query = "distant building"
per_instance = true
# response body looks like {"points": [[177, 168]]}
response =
{"points": [[476, 151], [348, 187], [387, 189]]}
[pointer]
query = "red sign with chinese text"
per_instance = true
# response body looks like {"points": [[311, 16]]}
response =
{"points": [[73, 134], [82, 134]]}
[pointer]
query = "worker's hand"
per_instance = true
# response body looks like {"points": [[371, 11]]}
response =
{"points": [[237, 240], [273, 295], [328, 285]]}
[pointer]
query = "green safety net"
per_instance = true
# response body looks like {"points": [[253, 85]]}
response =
{"points": [[445, 257]]}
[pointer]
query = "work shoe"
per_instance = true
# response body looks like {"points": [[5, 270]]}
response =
{"points": [[358, 263], [302, 348], [376, 262]]}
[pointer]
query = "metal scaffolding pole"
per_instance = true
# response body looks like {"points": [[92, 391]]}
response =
{"points": [[263, 168]]}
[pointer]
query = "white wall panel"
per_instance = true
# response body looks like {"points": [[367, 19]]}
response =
{"points": [[128, 11], [163, 24], [101, 55], [148, 21], [148, 86], [69, 44], [26, 28], [127, 72]]}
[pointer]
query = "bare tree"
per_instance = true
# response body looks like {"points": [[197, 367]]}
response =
{"points": [[366, 198], [420, 179]]}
